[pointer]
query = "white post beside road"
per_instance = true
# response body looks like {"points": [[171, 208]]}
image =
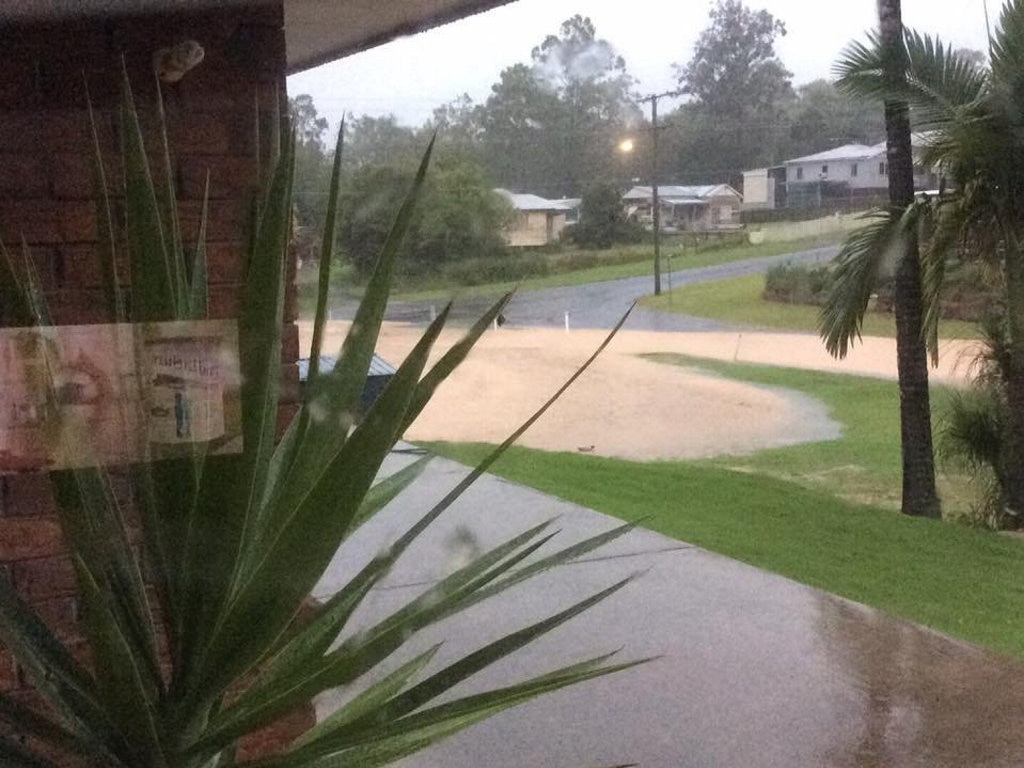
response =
{"points": [[566, 321]]}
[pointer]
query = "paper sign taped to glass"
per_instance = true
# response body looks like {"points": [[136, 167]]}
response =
{"points": [[87, 395]]}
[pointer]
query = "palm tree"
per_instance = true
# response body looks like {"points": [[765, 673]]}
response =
{"points": [[919, 496], [972, 120]]}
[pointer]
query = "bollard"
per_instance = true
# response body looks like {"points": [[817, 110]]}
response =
{"points": [[433, 313], [567, 321]]}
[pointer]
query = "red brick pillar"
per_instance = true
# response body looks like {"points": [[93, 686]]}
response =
{"points": [[47, 198]]}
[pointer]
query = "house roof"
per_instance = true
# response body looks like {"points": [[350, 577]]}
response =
{"points": [[857, 151], [378, 366], [677, 194], [316, 31], [523, 201], [845, 152]]}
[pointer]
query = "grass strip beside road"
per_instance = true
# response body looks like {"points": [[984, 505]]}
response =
{"points": [[965, 582], [739, 300], [673, 256]]}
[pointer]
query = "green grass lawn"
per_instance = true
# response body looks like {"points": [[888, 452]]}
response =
{"points": [[673, 255], [963, 581], [739, 301], [864, 464]]}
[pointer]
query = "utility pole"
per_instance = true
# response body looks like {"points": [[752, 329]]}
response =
{"points": [[655, 203]]}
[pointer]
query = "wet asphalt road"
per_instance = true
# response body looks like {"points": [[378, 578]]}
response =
{"points": [[600, 305]]}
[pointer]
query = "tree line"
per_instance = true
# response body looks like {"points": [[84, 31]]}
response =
{"points": [[552, 126]]}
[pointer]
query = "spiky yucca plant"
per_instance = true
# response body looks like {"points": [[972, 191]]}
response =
{"points": [[235, 543]]}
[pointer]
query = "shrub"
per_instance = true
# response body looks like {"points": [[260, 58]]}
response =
{"points": [[797, 284], [603, 220], [496, 270], [975, 430]]}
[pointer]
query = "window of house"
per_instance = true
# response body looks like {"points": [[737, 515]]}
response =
{"points": [[853, 170], [882, 169], [799, 174], [824, 170]]}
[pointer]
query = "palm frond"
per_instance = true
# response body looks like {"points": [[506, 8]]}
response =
{"points": [[855, 275], [1007, 50], [859, 70], [938, 83], [941, 84]]}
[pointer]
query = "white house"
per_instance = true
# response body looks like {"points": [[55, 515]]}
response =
{"points": [[852, 167], [758, 189], [700, 208]]}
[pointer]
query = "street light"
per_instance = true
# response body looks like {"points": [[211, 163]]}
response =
{"points": [[626, 146]]}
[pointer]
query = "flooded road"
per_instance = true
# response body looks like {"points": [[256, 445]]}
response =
{"points": [[596, 305]]}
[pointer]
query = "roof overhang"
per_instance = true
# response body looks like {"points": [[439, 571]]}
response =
{"points": [[316, 31]]}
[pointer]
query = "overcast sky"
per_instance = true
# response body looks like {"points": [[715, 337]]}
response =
{"points": [[411, 76]]}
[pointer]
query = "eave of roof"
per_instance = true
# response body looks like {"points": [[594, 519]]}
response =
{"points": [[316, 31]]}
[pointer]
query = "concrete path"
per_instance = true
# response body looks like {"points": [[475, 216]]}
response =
{"points": [[755, 670]]}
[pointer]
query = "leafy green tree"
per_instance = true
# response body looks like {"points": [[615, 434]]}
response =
{"points": [[822, 116], [596, 106], [369, 203], [310, 128], [551, 127], [380, 141], [738, 88], [734, 71], [462, 217], [458, 127], [520, 123], [603, 221], [459, 216], [312, 162]]}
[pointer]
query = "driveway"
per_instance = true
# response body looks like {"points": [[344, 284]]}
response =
{"points": [[754, 669]]}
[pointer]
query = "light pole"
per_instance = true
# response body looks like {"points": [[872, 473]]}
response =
{"points": [[655, 203]]}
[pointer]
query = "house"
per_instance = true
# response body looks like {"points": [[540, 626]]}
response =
{"points": [[758, 189], [848, 171], [694, 208], [538, 221]]}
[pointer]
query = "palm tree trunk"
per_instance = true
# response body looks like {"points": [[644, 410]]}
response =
{"points": [[919, 494], [1013, 270]]}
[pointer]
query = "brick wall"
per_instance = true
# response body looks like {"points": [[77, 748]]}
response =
{"points": [[46, 197]]}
